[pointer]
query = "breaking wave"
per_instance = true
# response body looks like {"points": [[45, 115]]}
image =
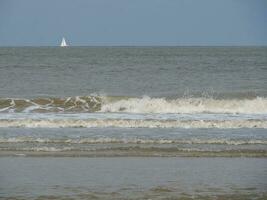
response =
{"points": [[43, 105], [93, 103]]}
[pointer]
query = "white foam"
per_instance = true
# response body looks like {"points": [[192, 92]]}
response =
{"points": [[46, 149], [187, 105], [106, 140], [144, 105], [125, 123]]}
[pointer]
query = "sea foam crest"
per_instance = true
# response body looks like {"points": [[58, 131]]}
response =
{"points": [[187, 105], [83, 104]]}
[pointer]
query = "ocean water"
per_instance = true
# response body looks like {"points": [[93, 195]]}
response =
{"points": [[133, 178], [135, 102]]}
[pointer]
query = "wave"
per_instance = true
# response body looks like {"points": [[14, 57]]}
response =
{"points": [[187, 105], [131, 123], [53, 104], [110, 140], [130, 151], [80, 104]]}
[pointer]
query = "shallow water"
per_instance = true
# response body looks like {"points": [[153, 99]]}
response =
{"points": [[95, 142], [133, 178]]}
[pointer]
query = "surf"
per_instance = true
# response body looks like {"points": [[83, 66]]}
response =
{"points": [[143, 105]]}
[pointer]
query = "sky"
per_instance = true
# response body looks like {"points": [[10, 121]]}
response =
{"points": [[133, 22]]}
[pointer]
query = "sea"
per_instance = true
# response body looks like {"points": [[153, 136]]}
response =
{"points": [[133, 122]]}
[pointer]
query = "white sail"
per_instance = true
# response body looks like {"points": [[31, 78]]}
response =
{"points": [[63, 43]]}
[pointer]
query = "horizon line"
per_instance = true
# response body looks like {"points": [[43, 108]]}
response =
{"points": [[240, 45]]}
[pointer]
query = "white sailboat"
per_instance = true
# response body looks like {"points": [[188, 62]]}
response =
{"points": [[63, 43]]}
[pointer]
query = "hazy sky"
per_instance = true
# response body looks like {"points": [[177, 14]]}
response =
{"points": [[133, 22]]}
